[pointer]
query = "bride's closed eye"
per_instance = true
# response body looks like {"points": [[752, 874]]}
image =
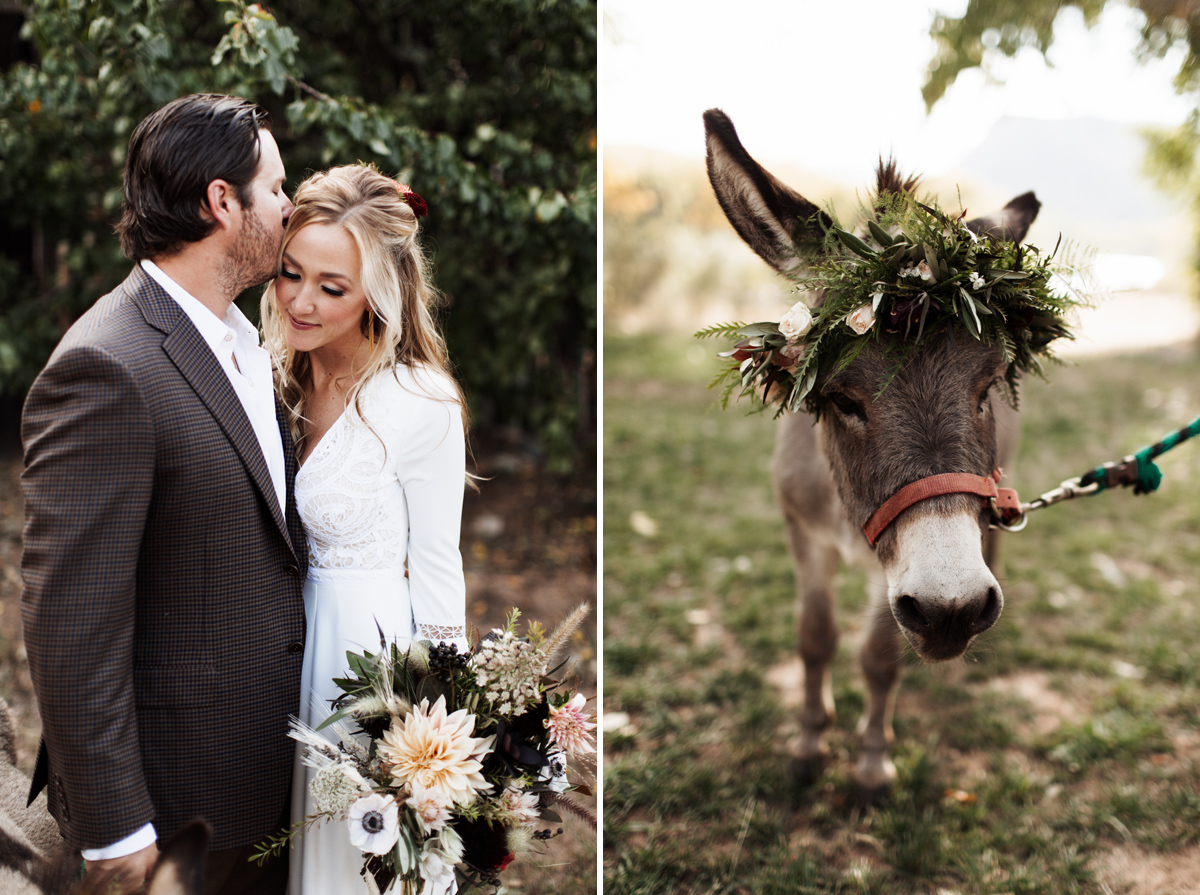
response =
{"points": [[288, 274]]}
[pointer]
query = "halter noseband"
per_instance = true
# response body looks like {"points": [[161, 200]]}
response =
{"points": [[1005, 504]]}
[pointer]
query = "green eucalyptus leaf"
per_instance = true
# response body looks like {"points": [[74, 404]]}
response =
{"points": [[856, 245], [760, 329], [881, 236]]}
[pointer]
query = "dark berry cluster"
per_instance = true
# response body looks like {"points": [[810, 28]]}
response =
{"points": [[444, 659], [544, 835]]}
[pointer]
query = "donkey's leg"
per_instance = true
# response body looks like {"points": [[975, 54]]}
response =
{"points": [[881, 665], [816, 565]]}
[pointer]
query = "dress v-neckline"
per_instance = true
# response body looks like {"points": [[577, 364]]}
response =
{"points": [[322, 439]]}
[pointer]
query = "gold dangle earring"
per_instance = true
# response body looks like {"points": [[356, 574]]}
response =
{"points": [[371, 329]]}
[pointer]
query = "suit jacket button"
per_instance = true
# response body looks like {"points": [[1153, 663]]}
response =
{"points": [[296, 647], [292, 569]]}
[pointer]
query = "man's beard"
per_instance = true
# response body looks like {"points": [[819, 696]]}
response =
{"points": [[254, 258]]}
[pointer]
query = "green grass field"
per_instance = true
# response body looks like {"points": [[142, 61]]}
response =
{"points": [[1062, 755]]}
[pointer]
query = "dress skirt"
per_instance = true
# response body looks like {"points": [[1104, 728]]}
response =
{"points": [[345, 610]]}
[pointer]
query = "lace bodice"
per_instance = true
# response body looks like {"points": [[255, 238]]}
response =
{"points": [[385, 488]]}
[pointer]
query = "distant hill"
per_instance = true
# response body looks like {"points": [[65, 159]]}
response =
{"points": [[1088, 174], [1087, 165]]}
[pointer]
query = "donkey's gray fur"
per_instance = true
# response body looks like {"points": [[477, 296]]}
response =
{"points": [[938, 415], [33, 856]]}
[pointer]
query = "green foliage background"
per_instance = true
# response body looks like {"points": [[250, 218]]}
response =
{"points": [[486, 107]]}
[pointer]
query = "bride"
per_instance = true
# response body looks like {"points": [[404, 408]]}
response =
{"points": [[379, 428]]}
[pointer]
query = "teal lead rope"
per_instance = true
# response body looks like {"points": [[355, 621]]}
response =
{"points": [[1139, 469]]}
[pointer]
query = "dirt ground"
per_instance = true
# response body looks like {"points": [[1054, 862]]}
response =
{"points": [[529, 540]]}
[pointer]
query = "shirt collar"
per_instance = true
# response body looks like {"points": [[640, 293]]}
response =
{"points": [[212, 329]]}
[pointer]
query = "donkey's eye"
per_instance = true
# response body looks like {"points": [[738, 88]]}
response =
{"points": [[983, 397], [847, 406]]}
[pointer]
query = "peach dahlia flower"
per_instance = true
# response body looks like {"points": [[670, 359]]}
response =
{"points": [[434, 750]]}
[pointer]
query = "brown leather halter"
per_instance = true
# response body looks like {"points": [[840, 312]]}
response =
{"points": [[1004, 501]]}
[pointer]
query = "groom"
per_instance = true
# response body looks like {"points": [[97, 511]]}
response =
{"points": [[163, 556]]}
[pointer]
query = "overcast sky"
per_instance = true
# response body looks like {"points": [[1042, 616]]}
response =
{"points": [[832, 85]]}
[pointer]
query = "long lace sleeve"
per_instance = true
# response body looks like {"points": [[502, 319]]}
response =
{"points": [[430, 464]]}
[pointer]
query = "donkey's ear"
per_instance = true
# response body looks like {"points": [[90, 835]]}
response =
{"points": [[771, 217], [1011, 222]]}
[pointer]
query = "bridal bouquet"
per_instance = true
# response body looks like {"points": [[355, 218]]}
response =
{"points": [[464, 762]]}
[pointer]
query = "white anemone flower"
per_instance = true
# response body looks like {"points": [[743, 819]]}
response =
{"points": [[374, 823], [554, 774]]}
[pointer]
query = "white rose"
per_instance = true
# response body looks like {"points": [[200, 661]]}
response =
{"points": [[861, 320], [796, 322], [977, 282], [924, 271]]}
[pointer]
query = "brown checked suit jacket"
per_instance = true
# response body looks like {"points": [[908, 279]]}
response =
{"points": [[163, 606]]}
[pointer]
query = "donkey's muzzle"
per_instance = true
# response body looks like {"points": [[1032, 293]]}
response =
{"points": [[940, 628]]}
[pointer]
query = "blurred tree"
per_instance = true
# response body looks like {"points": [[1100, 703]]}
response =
{"points": [[1004, 27], [486, 107]]}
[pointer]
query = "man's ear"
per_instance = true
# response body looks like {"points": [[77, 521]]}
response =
{"points": [[222, 203]]}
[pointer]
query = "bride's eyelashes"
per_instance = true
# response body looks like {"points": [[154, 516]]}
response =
{"points": [[292, 275]]}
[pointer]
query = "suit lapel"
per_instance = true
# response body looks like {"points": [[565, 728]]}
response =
{"points": [[291, 465], [200, 367]]}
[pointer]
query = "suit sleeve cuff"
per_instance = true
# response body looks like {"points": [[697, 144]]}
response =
{"points": [[127, 846]]}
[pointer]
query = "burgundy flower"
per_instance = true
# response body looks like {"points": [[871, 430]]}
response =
{"points": [[905, 313], [415, 202]]}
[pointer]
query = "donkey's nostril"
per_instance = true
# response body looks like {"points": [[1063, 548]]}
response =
{"points": [[990, 612], [908, 614]]}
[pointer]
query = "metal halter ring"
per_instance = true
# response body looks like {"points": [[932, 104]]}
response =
{"points": [[998, 518]]}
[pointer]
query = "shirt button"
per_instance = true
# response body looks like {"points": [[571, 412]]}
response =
{"points": [[295, 648], [228, 337]]}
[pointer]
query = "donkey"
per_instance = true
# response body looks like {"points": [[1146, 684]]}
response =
{"points": [[938, 415], [34, 860]]}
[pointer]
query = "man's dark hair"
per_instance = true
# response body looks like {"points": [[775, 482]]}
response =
{"points": [[174, 154]]}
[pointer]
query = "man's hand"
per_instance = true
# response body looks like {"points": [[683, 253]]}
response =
{"points": [[119, 876]]}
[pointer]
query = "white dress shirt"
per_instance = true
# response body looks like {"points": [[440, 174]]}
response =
{"points": [[234, 341]]}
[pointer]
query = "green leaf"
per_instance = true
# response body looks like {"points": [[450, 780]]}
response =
{"points": [[881, 236], [333, 719], [856, 245], [760, 329]]}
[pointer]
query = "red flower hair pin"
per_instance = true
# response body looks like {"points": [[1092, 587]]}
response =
{"points": [[415, 202]]}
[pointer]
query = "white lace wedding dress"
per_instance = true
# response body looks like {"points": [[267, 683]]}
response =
{"points": [[378, 490]]}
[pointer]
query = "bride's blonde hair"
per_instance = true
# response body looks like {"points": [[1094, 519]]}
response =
{"points": [[398, 322]]}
